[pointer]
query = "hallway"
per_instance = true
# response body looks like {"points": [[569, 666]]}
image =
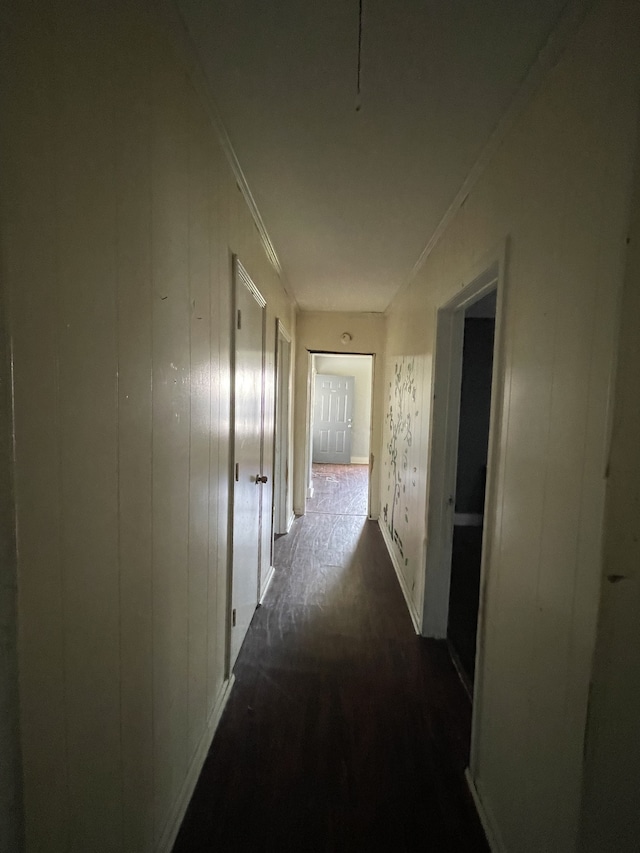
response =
{"points": [[151, 151], [344, 731]]}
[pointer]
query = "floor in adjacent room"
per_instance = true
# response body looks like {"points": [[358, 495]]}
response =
{"points": [[339, 489], [344, 731]]}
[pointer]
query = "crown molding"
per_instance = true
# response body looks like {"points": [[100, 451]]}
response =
{"points": [[566, 26], [188, 55]]}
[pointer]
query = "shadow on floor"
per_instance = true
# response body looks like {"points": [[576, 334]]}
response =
{"points": [[345, 731]]}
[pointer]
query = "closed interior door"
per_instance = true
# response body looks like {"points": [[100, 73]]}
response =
{"points": [[332, 418], [248, 436]]}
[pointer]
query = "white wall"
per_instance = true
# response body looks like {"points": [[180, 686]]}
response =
{"points": [[321, 332], [557, 192], [360, 367], [611, 817], [119, 213], [11, 827]]}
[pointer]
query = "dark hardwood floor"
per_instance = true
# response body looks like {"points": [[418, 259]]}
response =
{"points": [[464, 598], [344, 731]]}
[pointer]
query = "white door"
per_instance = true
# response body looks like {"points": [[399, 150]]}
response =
{"points": [[332, 418], [248, 433]]}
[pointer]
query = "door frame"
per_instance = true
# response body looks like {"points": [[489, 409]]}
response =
{"points": [[238, 272], [281, 435], [488, 275]]}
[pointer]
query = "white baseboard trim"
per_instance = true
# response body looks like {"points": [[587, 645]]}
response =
{"points": [[177, 813], [288, 523], [310, 492], [359, 460], [493, 837], [267, 582], [401, 580]]}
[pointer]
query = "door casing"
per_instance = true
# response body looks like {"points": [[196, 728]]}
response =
{"points": [[282, 518], [489, 274]]}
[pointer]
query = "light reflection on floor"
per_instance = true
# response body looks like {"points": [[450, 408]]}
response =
{"points": [[339, 489]]}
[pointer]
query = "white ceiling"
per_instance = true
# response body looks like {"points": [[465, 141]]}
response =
{"points": [[350, 198]]}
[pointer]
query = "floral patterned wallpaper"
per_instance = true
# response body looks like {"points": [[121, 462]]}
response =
{"points": [[400, 420], [404, 467]]}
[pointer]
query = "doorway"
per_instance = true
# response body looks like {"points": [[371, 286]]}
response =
{"points": [[465, 425], [340, 433], [471, 477]]}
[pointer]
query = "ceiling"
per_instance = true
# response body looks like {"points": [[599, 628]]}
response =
{"points": [[351, 197]]}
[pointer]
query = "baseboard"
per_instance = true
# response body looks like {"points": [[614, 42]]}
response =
{"points": [[493, 837], [403, 584], [177, 813], [292, 518], [359, 460], [310, 492], [267, 582]]}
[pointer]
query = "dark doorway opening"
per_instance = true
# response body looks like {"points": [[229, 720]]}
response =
{"points": [[471, 473]]}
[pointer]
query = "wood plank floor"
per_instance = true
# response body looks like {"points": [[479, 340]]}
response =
{"points": [[339, 489], [344, 731]]}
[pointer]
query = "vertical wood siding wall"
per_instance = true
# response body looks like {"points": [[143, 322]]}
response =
{"points": [[557, 190], [119, 213], [611, 818]]}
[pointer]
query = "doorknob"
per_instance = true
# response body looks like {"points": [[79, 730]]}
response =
{"points": [[260, 479]]}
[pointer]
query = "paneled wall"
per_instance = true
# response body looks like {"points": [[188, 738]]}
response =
{"points": [[611, 817], [119, 216], [321, 331], [557, 192]]}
